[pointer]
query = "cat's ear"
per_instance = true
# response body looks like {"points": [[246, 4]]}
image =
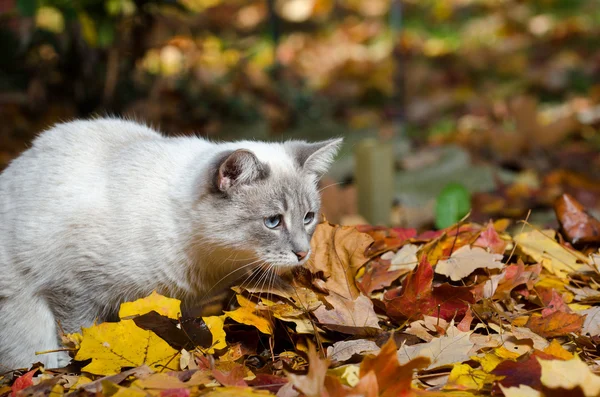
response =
{"points": [[315, 157], [240, 167]]}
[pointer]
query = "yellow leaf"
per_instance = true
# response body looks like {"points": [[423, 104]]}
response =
{"points": [[245, 314], [215, 326], [488, 362], [113, 390], [506, 354], [112, 346], [559, 374], [463, 377], [57, 391], [237, 392], [161, 304], [348, 374], [542, 247], [555, 349]]}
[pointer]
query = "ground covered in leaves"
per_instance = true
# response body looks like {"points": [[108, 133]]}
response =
{"points": [[470, 310]]}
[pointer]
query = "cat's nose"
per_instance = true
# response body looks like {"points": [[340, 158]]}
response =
{"points": [[300, 255]]}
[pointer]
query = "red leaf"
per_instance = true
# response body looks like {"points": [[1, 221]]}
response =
{"points": [[23, 382], [490, 238], [552, 301], [378, 276], [418, 297], [527, 372], [386, 239]]}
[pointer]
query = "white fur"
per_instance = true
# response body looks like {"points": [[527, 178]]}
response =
{"points": [[106, 195]]}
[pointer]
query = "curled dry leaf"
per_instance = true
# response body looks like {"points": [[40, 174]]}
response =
{"points": [[576, 223], [344, 350]]}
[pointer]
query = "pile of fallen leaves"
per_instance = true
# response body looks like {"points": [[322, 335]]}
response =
{"points": [[469, 310]]}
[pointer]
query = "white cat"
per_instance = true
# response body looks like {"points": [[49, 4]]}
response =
{"points": [[98, 212]]}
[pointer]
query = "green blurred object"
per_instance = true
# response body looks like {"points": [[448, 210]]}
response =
{"points": [[452, 204], [27, 8]]}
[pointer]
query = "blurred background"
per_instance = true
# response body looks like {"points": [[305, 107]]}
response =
{"points": [[447, 106]]}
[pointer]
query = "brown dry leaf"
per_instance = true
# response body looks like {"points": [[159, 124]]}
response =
{"points": [[313, 383], [576, 223], [454, 347], [338, 252], [344, 350], [466, 260]]}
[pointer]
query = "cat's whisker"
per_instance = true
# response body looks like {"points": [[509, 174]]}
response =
{"points": [[330, 185], [229, 274]]}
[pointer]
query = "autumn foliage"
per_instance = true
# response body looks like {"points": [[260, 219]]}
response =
{"points": [[472, 309]]}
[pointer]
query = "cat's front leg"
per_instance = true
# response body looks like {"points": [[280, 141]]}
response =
{"points": [[27, 326]]}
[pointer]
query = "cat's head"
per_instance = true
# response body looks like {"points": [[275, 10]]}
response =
{"points": [[266, 201]]}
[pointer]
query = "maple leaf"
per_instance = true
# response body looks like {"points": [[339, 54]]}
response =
{"points": [[338, 254], [556, 324], [454, 347], [515, 275], [23, 382], [393, 378], [466, 260], [338, 251], [418, 297], [313, 383], [246, 314], [386, 239], [112, 346], [489, 238], [168, 307]]}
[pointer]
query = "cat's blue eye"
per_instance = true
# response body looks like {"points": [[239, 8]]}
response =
{"points": [[308, 218], [273, 221]]}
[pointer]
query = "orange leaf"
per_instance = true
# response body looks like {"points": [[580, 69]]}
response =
{"points": [[393, 379], [556, 324]]}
